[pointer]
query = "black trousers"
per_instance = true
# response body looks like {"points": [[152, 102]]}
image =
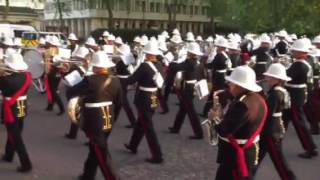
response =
{"points": [[297, 116], [144, 126], [56, 99], [15, 143], [162, 101], [126, 107], [99, 156], [311, 109], [227, 172], [274, 149], [186, 107]]}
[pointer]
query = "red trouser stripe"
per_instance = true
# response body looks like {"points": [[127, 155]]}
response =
{"points": [[102, 162], [277, 160], [145, 130], [300, 132]]}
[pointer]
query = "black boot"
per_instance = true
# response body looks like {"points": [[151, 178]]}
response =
{"points": [[49, 107]]}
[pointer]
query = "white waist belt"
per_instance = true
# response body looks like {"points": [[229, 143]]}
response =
{"points": [[191, 81], [96, 105], [316, 77], [279, 114], [21, 98], [240, 141], [221, 71], [123, 76], [148, 89], [296, 85], [261, 62]]}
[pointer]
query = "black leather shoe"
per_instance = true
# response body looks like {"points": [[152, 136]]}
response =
{"points": [[129, 126], [134, 151], [195, 137], [49, 107], [82, 177], [308, 155], [6, 159], [154, 160], [60, 113], [172, 130], [68, 136], [164, 111], [24, 169]]}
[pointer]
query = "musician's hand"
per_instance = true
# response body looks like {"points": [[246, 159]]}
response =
{"points": [[214, 115]]}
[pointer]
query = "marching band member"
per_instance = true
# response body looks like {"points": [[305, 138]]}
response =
{"points": [[7, 43], [14, 89], [273, 131], [240, 126], [101, 94], [263, 58], [123, 72], [80, 56], [313, 103], [92, 45], [281, 48], [299, 72], [105, 36], [219, 67], [73, 40], [193, 72], [17, 45], [148, 76], [234, 54], [173, 58], [53, 76]]}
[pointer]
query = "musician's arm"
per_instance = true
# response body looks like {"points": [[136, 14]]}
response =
{"points": [[137, 75], [78, 89]]}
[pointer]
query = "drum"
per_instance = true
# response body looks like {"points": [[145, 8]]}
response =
{"points": [[35, 63]]}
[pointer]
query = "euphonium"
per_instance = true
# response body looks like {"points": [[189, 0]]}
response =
{"points": [[211, 123], [74, 110]]}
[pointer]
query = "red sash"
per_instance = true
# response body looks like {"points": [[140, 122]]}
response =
{"points": [[7, 103], [46, 84], [241, 160]]}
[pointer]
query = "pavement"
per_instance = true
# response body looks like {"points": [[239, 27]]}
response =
{"points": [[57, 158]]}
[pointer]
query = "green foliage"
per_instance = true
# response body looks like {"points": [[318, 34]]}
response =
{"points": [[126, 34], [299, 16]]}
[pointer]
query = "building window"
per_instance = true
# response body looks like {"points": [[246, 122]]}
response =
{"points": [[191, 10], [196, 10], [143, 6], [158, 5], [184, 9], [152, 7], [122, 5], [204, 10]]}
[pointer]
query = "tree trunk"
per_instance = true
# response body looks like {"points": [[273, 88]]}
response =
{"points": [[110, 14], [7, 9], [60, 15], [169, 17], [212, 25]]}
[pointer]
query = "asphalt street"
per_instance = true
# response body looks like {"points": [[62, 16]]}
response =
{"points": [[57, 158]]}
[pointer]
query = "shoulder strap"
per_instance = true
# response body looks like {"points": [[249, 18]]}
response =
{"points": [[152, 66]]}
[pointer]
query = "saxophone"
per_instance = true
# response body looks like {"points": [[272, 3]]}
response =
{"points": [[211, 123]]}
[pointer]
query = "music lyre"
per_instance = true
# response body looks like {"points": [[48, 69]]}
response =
{"points": [[107, 118], [21, 108]]}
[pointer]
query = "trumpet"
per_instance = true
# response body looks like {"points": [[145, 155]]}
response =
{"points": [[210, 124]]}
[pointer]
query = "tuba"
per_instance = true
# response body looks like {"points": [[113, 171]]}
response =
{"points": [[210, 124], [75, 111]]}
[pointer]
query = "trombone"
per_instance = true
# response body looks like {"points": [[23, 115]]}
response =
{"points": [[5, 70]]}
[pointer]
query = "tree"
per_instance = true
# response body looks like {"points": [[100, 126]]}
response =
{"points": [[7, 9], [109, 4]]}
